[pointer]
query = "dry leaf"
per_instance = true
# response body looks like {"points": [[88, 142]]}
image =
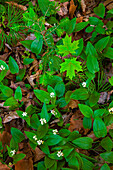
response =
{"points": [[4, 167], [63, 9], [108, 4], [72, 9], [73, 104], [24, 164], [38, 154], [12, 115], [24, 8], [83, 5], [5, 137]]}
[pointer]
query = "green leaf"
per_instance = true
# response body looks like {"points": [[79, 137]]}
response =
{"points": [[44, 6], [108, 53], [17, 135], [99, 128], [26, 118], [11, 102], [80, 26], [41, 166], [89, 29], [45, 148], [53, 140], [83, 142], [86, 110], [27, 61], [87, 164], [81, 44], [107, 144], [100, 10], [30, 136], [13, 66], [49, 39], [44, 113], [36, 45], [102, 43], [34, 121], [99, 113], [92, 64], [41, 131], [100, 29], [21, 74], [67, 46], [95, 21], [6, 90], [93, 99], [105, 167], [18, 157], [64, 132], [107, 156], [70, 26], [80, 94], [18, 93], [43, 96], [60, 89], [87, 123], [70, 65], [90, 50], [49, 162], [27, 43], [3, 71]]}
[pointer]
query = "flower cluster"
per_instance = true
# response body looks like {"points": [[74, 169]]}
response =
{"points": [[24, 114], [59, 154], [84, 84], [34, 137], [38, 141], [2, 67], [111, 110], [12, 152], [53, 112], [52, 94], [43, 121], [55, 131]]}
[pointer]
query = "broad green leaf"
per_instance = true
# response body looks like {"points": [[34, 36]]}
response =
{"points": [[86, 110], [108, 53], [90, 50], [107, 144], [6, 90], [87, 164], [43, 96], [11, 102], [100, 10], [70, 65], [83, 142], [81, 45], [4, 70], [53, 140], [107, 156], [64, 132], [49, 162], [23, 116], [45, 148], [30, 136], [102, 43], [60, 89], [17, 135], [27, 43], [80, 26], [27, 61], [18, 93], [110, 11], [1, 123], [87, 123], [34, 121], [70, 26], [92, 64], [89, 29], [99, 29], [44, 113], [41, 131], [67, 46], [105, 167], [41, 166], [36, 45], [80, 94], [18, 157], [21, 74], [13, 66], [93, 99], [44, 6], [108, 119], [95, 21], [99, 128], [99, 113], [49, 39]]}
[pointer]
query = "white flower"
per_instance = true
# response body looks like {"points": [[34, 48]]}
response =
{"points": [[84, 84], [55, 131], [53, 112], [34, 137], [0, 127], [40, 142], [59, 154], [2, 67], [43, 121], [111, 110], [24, 114], [13, 152], [52, 95]]}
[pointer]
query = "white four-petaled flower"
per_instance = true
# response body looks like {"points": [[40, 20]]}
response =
{"points": [[55, 131], [84, 84], [34, 137], [52, 94], [13, 152], [53, 112], [24, 114], [2, 67], [40, 142], [59, 154], [43, 121], [111, 110]]}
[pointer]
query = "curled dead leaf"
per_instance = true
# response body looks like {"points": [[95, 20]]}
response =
{"points": [[83, 6], [72, 9], [24, 8], [12, 115]]}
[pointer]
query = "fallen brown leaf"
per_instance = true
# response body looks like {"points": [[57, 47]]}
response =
{"points": [[24, 8], [12, 115], [72, 9], [63, 9], [83, 6], [38, 154], [73, 104], [24, 164], [5, 137], [4, 167]]}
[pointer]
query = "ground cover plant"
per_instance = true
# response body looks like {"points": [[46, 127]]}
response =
{"points": [[56, 78]]}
